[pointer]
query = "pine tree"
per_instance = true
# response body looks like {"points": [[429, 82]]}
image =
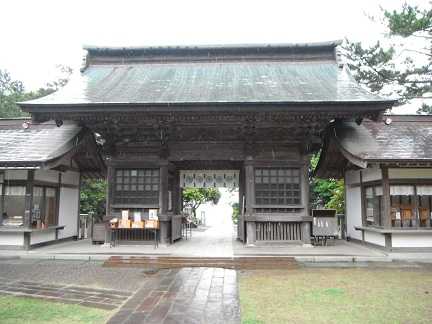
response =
{"points": [[405, 67]]}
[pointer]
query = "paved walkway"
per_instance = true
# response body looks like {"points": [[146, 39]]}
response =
{"points": [[90, 274], [188, 295], [135, 295], [68, 294]]}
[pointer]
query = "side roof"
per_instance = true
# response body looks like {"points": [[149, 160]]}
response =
{"points": [[213, 75], [406, 139], [43, 145]]}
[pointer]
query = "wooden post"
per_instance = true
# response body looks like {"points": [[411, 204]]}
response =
{"points": [[58, 193], [250, 200], [2, 192], [29, 199], [305, 185], [240, 222], [250, 187], [109, 190], [386, 217], [416, 208], [306, 226], [163, 203], [79, 207], [176, 193], [163, 189], [363, 200]]}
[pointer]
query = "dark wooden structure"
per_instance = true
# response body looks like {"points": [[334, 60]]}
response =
{"points": [[387, 166], [257, 109], [41, 167]]}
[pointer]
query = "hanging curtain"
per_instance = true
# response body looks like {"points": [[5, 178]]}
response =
{"points": [[15, 191], [401, 190], [424, 190], [209, 178]]}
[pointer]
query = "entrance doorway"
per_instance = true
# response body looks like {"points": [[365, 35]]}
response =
{"points": [[209, 198]]}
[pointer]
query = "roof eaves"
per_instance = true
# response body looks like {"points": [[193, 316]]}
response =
{"points": [[120, 49], [356, 160], [24, 104]]}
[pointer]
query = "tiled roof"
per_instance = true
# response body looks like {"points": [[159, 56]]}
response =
{"points": [[406, 138], [35, 145], [402, 140], [299, 73]]}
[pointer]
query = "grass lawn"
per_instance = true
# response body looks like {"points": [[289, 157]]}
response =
{"points": [[334, 295], [29, 310]]}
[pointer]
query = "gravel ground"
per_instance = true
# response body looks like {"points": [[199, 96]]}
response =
{"points": [[81, 273]]}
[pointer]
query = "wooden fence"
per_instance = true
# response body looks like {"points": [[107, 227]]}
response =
{"points": [[278, 231]]}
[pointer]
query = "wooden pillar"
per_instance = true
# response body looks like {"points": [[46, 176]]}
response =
{"points": [[2, 192], [27, 238], [163, 188], [79, 208], [250, 200], [176, 193], [416, 209], [249, 186], [58, 193], [305, 184], [388, 241], [306, 225], [241, 223], [29, 198], [163, 203], [363, 200], [109, 190], [386, 217]]}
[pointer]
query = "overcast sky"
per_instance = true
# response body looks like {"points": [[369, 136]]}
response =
{"points": [[38, 35]]}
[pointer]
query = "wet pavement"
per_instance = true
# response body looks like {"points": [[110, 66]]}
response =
{"points": [[90, 274], [134, 295], [68, 294], [187, 295]]}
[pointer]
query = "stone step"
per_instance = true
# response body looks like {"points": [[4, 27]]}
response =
{"points": [[184, 262]]}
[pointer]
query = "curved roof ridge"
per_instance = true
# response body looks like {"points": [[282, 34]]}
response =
{"points": [[332, 43]]}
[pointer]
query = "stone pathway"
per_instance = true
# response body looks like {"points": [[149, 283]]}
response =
{"points": [[96, 298], [80, 273], [137, 295], [187, 295]]}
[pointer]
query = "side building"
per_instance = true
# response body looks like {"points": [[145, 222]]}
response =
{"points": [[387, 167], [41, 166]]}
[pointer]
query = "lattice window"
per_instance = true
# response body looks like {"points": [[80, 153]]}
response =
{"points": [[277, 186], [136, 186]]}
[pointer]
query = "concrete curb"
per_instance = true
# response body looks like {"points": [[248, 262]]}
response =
{"points": [[341, 259], [301, 259], [298, 258]]}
